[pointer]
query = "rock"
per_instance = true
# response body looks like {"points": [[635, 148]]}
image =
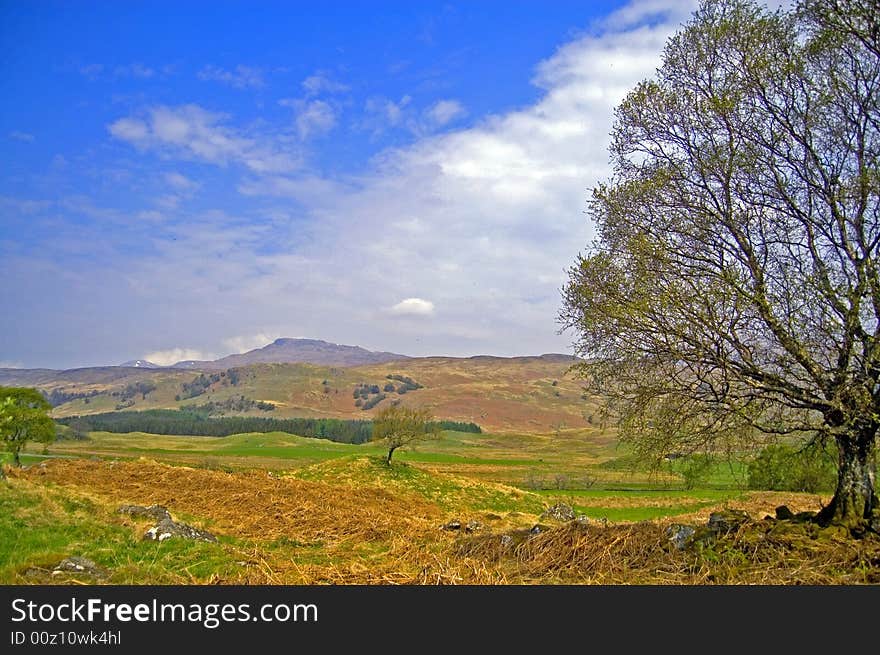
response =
{"points": [[166, 529], [681, 536], [538, 529], [727, 520], [783, 513], [473, 526], [78, 564], [155, 512], [582, 519], [559, 512], [454, 524]]}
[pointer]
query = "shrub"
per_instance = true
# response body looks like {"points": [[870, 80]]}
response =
{"points": [[781, 467]]}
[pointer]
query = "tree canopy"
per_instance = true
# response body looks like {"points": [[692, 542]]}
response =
{"points": [[24, 417], [398, 426], [733, 291]]}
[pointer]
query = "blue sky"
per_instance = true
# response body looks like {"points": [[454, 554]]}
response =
{"points": [[187, 180]]}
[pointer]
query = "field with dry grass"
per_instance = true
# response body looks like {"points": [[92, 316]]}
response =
{"points": [[356, 521]]}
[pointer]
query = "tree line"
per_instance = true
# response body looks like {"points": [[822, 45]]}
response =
{"points": [[197, 423]]}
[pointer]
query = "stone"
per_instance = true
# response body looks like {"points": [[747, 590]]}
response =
{"points": [[454, 524], [506, 540], [166, 529], [473, 526], [681, 536], [783, 513], [727, 520], [559, 512], [538, 529], [76, 564], [155, 512]]}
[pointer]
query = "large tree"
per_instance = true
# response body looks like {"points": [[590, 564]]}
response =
{"points": [[24, 417], [733, 290]]}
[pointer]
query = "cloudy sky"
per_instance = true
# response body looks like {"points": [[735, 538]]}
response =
{"points": [[189, 180]]}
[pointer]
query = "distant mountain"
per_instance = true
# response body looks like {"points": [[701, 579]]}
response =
{"points": [[140, 363], [301, 351]]}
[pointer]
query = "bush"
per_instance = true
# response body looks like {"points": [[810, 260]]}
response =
{"points": [[780, 467]]}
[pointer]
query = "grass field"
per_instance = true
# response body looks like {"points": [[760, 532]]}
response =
{"points": [[294, 510]]}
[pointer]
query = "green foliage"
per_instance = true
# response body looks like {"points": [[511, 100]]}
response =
{"points": [[57, 397], [141, 388], [781, 467], [24, 416], [372, 402], [398, 426], [198, 386], [240, 404], [458, 426], [197, 423], [696, 470], [408, 383]]}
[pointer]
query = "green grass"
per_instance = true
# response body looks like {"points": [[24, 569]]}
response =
{"points": [[661, 503], [41, 526]]}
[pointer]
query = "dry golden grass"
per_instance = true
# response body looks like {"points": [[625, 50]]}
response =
{"points": [[344, 533]]}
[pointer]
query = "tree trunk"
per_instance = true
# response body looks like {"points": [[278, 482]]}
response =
{"points": [[16, 460], [855, 504], [390, 453]]}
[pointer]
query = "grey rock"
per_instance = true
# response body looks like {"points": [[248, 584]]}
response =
{"points": [[166, 529], [506, 540], [681, 536], [559, 512], [76, 564], [454, 524], [473, 526], [538, 529], [155, 512]]}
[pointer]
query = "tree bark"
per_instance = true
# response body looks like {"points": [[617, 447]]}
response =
{"points": [[390, 453], [855, 503], [16, 460]]}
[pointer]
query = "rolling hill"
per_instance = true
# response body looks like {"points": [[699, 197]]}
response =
{"points": [[520, 394]]}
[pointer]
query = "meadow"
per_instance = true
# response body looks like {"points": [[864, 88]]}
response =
{"points": [[296, 510]]}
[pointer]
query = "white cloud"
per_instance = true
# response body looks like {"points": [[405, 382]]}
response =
{"points": [[180, 182], [445, 111], [387, 111], [192, 132], [244, 343], [21, 136], [483, 220], [134, 70], [241, 77], [413, 307], [130, 129], [174, 355], [320, 83], [312, 117]]}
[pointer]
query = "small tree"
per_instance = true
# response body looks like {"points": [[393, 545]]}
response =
{"points": [[24, 417], [400, 426]]}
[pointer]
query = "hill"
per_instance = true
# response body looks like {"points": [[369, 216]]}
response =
{"points": [[306, 351], [520, 394]]}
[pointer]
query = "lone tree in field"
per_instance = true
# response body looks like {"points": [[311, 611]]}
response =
{"points": [[24, 417], [733, 292], [400, 426]]}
